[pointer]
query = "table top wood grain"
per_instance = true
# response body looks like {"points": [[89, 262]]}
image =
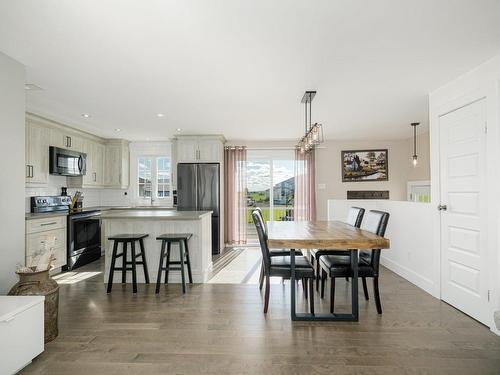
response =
{"points": [[322, 235]]}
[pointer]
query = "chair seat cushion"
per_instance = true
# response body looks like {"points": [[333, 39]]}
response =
{"points": [[284, 261], [282, 252], [340, 265], [317, 253]]}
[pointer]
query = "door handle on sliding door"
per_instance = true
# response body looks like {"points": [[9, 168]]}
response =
{"points": [[442, 207]]}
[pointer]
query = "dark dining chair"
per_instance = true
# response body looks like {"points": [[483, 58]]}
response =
{"points": [[368, 262], [280, 265], [354, 218], [272, 252]]}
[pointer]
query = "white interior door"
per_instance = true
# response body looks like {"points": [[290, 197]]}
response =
{"points": [[464, 281]]}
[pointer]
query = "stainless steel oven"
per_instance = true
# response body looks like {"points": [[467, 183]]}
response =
{"points": [[66, 162], [84, 238]]}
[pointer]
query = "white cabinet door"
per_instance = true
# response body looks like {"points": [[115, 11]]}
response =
{"points": [[187, 150], [209, 150], [113, 164], [464, 260], [37, 153], [98, 163], [61, 139], [39, 243]]}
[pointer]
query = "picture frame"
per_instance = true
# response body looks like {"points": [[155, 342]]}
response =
{"points": [[365, 165]]}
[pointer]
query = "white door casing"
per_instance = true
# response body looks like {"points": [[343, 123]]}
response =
{"points": [[464, 260]]}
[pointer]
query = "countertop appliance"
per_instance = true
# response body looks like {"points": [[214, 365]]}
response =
{"points": [[66, 162], [83, 229], [198, 189]]}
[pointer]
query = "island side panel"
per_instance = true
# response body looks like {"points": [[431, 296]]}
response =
{"points": [[199, 246]]}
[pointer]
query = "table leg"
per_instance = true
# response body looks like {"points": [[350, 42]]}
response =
{"points": [[292, 284], [354, 285]]}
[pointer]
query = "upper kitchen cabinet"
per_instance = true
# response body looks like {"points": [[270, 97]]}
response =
{"points": [[68, 140], [199, 149], [94, 176], [37, 152], [116, 164]]}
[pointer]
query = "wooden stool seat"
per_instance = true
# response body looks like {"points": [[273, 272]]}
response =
{"points": [[166, 241], [125, 239], [128, 237]]}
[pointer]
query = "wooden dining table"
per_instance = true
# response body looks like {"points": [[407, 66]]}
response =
{"points": [[330, 235]]}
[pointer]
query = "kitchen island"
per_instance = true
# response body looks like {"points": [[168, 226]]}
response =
{"points": [[155, 223]]}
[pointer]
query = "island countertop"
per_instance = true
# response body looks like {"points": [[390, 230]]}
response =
{"points": [[154, 214]]}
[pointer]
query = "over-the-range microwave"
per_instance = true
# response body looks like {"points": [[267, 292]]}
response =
{"points": [[66, 162]]}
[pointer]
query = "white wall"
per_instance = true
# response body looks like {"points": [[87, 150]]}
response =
{"points": [[12, 169], [482, 82], [401, 170], [410, 229]]}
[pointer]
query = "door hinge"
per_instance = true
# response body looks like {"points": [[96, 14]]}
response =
{"points": [[489, 292]]}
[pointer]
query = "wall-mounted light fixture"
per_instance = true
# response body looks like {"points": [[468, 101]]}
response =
{"points": [[415, 157]]}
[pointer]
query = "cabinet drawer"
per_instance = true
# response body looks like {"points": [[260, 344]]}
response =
{"points": [[45, 224], [36, 242]]}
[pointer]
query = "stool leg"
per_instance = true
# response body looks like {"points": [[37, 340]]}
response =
{"points": [[181, 250], [144, 263], [167, 262], [134, 273], [160, 266], [188, 262], [112, 267], [124, 262]]}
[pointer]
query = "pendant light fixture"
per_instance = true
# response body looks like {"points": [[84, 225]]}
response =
{"points": [[415, 157], [313, 133]]}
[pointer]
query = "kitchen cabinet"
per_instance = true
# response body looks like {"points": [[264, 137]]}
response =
{"points": [[43, 235], [63, 139], [37, 153], [116, 164], [199, 149]]}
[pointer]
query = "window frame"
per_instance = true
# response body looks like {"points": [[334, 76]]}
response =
{"points": [[157, 200]]}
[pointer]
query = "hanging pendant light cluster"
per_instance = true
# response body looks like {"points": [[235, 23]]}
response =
{"points": [[313, 133], [415, 157]]}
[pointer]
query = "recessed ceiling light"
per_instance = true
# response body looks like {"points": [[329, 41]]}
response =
{"points": [[118, 130], [179, 129], [86, 115], [32, 87], [160, 115]]}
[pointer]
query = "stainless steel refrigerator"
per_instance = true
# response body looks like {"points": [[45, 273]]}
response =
{"points": [[198, 189]]}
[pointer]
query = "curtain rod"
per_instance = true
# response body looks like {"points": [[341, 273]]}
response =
{"points": [[269, 148]]}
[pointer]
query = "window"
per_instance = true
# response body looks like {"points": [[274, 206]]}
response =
{"points": [[154, 177], [270, 185]]}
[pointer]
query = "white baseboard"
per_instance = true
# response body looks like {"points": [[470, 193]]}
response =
{"points": [[413, 277]]}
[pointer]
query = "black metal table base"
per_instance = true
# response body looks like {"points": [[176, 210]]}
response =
{"points": [[353, 317]]}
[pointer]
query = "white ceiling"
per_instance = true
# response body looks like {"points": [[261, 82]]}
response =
{"points": [[240, 67]]}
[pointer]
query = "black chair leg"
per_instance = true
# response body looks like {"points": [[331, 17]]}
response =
{"points": [[183, 277], [304, 286], [124, 263], [186, 249], [144, 263], [266, 295], [365, 288], [311, 296], [160, 266], [112, 267], [261, 277], [323, 282], [377, 295], [167, 263], [318, 273], [332, 295], [134, 269]]}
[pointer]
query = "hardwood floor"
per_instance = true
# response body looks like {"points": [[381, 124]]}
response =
{"points": [[220, 329]]}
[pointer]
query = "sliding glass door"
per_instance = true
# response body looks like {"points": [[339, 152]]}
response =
{"points": [[270, 185]]}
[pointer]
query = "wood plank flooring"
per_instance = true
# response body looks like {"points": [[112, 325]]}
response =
{"points": [[220, 329]]}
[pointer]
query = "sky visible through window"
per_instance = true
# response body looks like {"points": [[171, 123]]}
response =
{"points": [[258, 173]]}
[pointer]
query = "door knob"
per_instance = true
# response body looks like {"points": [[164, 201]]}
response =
{"points": [[442, 207]]}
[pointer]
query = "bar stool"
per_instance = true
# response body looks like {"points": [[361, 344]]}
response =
{"points": [[126, 239], [182, 240]]}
